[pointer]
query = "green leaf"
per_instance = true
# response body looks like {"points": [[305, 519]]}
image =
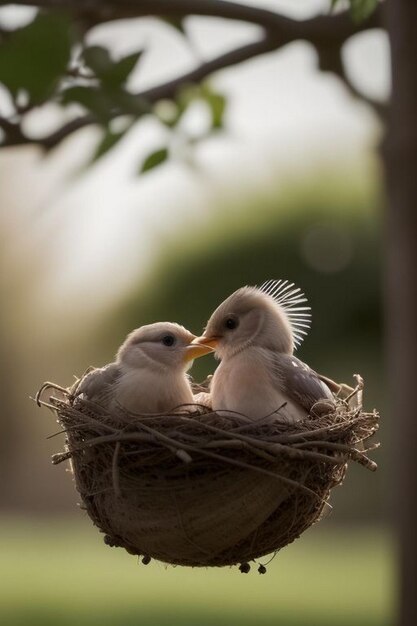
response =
{"points": [[93, 99], [362, 9], [128, 103], [217, 104], [35, 57], [122, 69], [111, 73], [98, 59], [104, 102], [154, 159]]}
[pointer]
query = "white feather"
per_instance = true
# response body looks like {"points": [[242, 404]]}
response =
{"points": [[288, 296]]}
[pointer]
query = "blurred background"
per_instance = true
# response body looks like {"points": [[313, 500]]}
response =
{"points": [[290, 188]]}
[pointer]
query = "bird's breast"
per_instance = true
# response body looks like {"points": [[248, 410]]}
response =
{"points": [[153, 392], [243, 384]]}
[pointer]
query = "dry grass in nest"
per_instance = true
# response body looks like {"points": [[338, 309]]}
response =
{"points": [[201, 489]]}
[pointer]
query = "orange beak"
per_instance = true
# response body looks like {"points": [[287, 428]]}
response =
{"points": [[210, 342], [197, 348]]}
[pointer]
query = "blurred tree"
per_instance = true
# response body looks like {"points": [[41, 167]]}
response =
{"points": [[401, 284]]}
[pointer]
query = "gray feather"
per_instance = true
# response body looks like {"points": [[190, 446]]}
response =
{"points": [[98, 385], [298, 381]]}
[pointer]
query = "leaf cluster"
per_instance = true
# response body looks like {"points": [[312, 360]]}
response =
{"points": [[48, 60]]}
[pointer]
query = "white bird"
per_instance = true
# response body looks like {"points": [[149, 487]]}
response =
{"points": [[149, 373], [254, 333]]}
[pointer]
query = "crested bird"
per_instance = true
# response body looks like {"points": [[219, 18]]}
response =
{"points": [[149, 373], [254, 333]]}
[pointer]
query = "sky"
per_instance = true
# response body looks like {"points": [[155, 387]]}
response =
{"points": [[101, 228]]}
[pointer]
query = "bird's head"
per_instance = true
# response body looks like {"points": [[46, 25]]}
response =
{"points": [[160, 346], [266, 316]]}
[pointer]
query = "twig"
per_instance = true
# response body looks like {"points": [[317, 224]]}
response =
{"points": [[311, 434], [48, 385], [358, 388], [115, 470], [353, 453], [65, 410], [172, 443], [241, 445]]}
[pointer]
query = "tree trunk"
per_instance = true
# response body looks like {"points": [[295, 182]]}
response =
{"points": [[401, 289]]}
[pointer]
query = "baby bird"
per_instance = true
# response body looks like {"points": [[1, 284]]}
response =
{"points": [[254, 332], [149, 373]]}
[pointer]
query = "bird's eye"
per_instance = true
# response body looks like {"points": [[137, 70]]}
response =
{"points": [[231, 323], [168, 340]]}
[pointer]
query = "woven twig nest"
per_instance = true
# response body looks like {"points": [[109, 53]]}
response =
{"points": [[201, 489]]}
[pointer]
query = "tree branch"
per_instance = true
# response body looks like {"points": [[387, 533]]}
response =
{"points": [[244, 53], [330, 60], [326, 33], [165, 91], [330, 27]]}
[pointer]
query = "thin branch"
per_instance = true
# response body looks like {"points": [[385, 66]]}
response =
{"points": [[14, 135], [115, 470], [326, 33], [59, 135], [249, 51], [332, 27]]}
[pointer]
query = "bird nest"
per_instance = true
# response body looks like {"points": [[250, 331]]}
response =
{"points": [[203, 489]]}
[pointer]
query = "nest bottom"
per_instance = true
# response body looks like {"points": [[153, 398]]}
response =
{"points": [[239, 517], [204, 489]]}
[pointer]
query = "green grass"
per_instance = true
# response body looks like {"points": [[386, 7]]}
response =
{"points": [[61, 573]]}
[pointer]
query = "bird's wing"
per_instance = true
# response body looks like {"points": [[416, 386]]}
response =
{"points": [[298, 381], [98, 385]]}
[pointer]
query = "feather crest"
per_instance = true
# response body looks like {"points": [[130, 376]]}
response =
{"points": [[288, 296]]}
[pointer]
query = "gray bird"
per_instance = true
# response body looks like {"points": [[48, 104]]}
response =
{"points": [[149, 373], [254, 333]]}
